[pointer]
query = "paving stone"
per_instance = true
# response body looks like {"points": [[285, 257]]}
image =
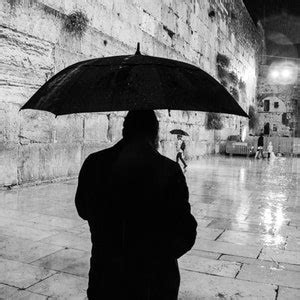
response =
{"points": [[26, 295], [21, 275], [269, 275], [6, 291], [255, 239], [69, 240], [202, 286], [57, 221], [281, 256], [236, 226], [69, 260], [24, 232], [62, 286], [293, 244], [80, 267], [285, 293], [24, 250], [227, 248], [209, 266], [206, 254], [267, 263], [208, 233], [289, 231]]}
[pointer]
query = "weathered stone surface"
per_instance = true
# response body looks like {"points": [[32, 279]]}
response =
{"points": [[36, 127], [95, 128], [281, 256], [269, 275], [34, 46], [260, 262], [209, 266], [226, 248], [68, 129], [115, 125], [21, 275], [8, 164], [43, 162], [62, 286], [285, 293], [201, 286]]}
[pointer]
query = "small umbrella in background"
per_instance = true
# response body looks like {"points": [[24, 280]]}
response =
{"points": [[179, 132], [132, 82]]}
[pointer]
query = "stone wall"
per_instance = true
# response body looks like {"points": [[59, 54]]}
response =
{"points": [[34, 45]]}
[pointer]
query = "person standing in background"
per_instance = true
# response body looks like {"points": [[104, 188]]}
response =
{"points": [[260, 146]]}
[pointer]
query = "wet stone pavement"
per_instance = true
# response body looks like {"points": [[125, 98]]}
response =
{"points": [[248, 243]]}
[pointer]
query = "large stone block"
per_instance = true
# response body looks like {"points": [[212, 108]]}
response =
{"points": [[37, 162], [26, 61], [36, 127], [8, 164], [9, 122], [115, 126], [68, 129], [96, 128]]}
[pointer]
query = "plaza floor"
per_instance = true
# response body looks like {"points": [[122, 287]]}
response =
{"points": [[248, 243]]}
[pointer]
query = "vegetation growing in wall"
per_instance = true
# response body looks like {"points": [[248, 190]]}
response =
{"points": [[213, 121], [253, 118], [223, 60], [229, 78], [76, 23], [235, 93]]}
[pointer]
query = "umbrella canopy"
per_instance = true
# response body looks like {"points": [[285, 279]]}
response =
{"points": [[179, 132], [134, 82]]}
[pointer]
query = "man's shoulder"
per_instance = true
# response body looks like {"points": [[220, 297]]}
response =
{"points": [[101, 155], [167, 162]]}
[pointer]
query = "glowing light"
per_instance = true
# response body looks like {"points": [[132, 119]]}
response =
{"points": [[286, 73], [283, 73], [275, 74]]}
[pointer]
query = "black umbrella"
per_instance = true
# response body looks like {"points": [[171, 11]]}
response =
{"points": [[179, 132], [132, 82]]}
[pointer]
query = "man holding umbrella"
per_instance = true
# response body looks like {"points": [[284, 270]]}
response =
{"points": [[135, 200], [136, 203]]}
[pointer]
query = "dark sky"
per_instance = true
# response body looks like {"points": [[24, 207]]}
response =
{"points": [[260, 9], [281, 22]]}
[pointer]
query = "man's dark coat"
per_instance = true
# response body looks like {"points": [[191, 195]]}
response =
{"points": [[136, 203]]}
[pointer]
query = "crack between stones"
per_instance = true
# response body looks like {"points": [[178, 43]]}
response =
{"points": [[220, 234], [241, 265], [276, 291], [259, 253]]}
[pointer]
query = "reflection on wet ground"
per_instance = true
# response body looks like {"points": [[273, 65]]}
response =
{"points": [[248, 243]]}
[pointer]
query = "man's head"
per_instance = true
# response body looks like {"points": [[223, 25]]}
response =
{"points": [[141, 124], [179, 136]]}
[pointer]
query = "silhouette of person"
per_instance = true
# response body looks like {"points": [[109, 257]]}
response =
{"points": [[260, 146], [136, 203]]}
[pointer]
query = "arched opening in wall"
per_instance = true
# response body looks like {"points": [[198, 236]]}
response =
{"points": [[266, 105], [267, 129]]}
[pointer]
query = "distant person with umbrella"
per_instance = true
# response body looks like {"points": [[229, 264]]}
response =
{"points": [[260, 147], [136, 203], [180, 146]]}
